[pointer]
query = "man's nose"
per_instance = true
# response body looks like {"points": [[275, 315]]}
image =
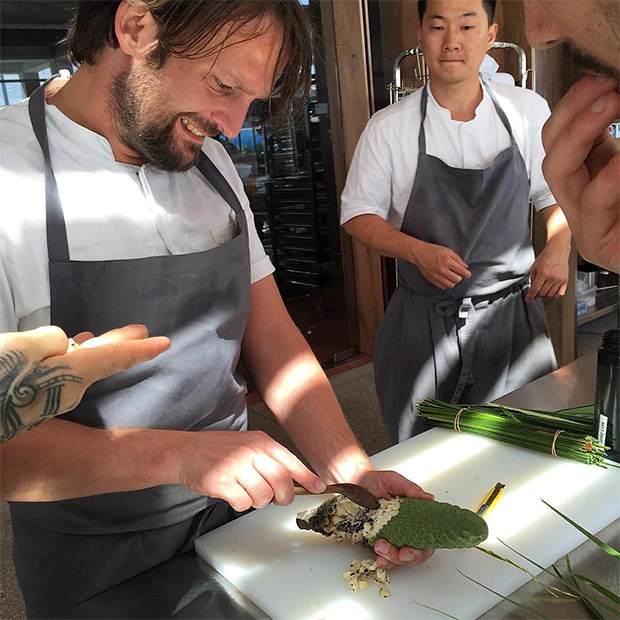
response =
{"points": [[541, 31], [230, 119], [451, 39]]}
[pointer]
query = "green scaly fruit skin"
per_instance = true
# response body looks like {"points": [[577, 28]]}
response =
{"points": [[424, 524]]}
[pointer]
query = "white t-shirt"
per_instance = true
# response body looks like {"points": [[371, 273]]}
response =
{"points": [[384, 166], [112, 210]]}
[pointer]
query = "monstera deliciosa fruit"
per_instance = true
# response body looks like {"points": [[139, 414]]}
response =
{"points": [[403, 522]]}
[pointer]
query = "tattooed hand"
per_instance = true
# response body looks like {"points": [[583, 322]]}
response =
{"points": [[41, 375]]}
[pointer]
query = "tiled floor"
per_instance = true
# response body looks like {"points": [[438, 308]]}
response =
{"points": [[355, 391]]}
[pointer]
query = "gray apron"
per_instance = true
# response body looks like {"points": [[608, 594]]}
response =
{"points": [[68, 551], [479, 340]]}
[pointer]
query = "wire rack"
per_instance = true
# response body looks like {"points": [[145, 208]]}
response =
{"points": [[400, 87]]}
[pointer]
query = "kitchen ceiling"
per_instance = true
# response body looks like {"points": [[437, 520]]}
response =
{"points": [[48, 14], [31, 31]]}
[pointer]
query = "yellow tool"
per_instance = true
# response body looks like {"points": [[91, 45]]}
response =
{"points": [[490, 499]]}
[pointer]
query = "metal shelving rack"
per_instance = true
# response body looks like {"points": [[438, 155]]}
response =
{"points": [[607, 298], [399, 87], [291, 203], [293, 207]]}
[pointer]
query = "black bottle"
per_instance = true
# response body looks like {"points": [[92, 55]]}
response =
{"points": [[607, 398]]}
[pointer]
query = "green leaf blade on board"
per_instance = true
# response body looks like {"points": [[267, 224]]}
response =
{"points": [[443, 613], [614, 553], [550, 589], [583, 410], [506, 598], [566, 583]]}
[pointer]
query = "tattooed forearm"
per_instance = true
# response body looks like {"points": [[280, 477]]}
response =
{"points": [[29, 393]]}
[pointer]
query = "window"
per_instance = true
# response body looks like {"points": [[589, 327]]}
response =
{"points": [[46, 73], [11, 91]]}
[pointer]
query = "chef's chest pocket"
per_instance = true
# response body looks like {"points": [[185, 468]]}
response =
{"points": [[224, 233]]}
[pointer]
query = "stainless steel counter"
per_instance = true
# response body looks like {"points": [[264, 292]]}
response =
{"points": [[187, 587]]}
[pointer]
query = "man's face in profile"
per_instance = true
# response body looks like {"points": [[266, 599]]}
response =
{"points": [[590, 29], [164, 113]]}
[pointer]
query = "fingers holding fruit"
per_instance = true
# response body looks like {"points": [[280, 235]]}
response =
{"points": [[389, 556]]}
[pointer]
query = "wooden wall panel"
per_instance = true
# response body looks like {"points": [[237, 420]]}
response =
{"points": [[335, 120], [355, 103], [402, 15], [511, 21]]}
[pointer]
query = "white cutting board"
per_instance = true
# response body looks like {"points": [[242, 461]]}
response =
{"points": [[291, 573]]}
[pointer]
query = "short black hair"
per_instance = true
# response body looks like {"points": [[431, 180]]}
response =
{"points": [[489, 7]]}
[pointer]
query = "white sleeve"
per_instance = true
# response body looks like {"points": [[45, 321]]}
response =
{"points": [[368, 188], [260, 265], [8, 319], [538, 113]]}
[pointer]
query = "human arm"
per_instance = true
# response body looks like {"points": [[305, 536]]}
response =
{"points": [[438, 264], [64, 460], [550, 269], [377, 192], [582, 167], [40, 378], [295, 388]]}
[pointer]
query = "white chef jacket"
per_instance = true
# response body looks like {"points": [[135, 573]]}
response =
{"points": [[384, 165], [112, 210]]}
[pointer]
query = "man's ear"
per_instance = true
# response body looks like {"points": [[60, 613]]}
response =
{"points": [[135, 30], [419, 33], [492, 35]]}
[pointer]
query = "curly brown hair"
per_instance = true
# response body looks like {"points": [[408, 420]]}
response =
{"points": [[187, 28]]}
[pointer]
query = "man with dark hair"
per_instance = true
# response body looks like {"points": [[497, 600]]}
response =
{"points": [[582, 165], [119, 208], [441, 181]]}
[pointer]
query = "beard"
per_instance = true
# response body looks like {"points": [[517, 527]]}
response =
{"points": [[135, 96], [589, 63]]}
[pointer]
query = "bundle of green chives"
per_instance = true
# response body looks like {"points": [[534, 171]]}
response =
{"points": [[563, 433]]}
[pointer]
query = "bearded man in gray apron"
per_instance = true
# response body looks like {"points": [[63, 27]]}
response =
{"points": [[128, 213], [441, 181]]}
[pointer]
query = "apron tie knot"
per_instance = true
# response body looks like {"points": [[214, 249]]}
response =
{"points": [[446, 307]]}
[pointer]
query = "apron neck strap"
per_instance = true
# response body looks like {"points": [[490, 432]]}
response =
{"points": [[57, 246], [219, 183], [498, 109], [424, 106]]}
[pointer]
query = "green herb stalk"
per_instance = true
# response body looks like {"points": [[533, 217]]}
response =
{"points": [[527, 428]]}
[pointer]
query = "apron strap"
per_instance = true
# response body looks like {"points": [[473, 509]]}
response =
{"points": [[424, 105], [422, 134], [211, 172], [57, 245], [500, 112]]}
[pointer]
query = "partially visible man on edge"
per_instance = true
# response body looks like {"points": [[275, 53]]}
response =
{"points": [[42, 373], [148, 223], [582, 165]]}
